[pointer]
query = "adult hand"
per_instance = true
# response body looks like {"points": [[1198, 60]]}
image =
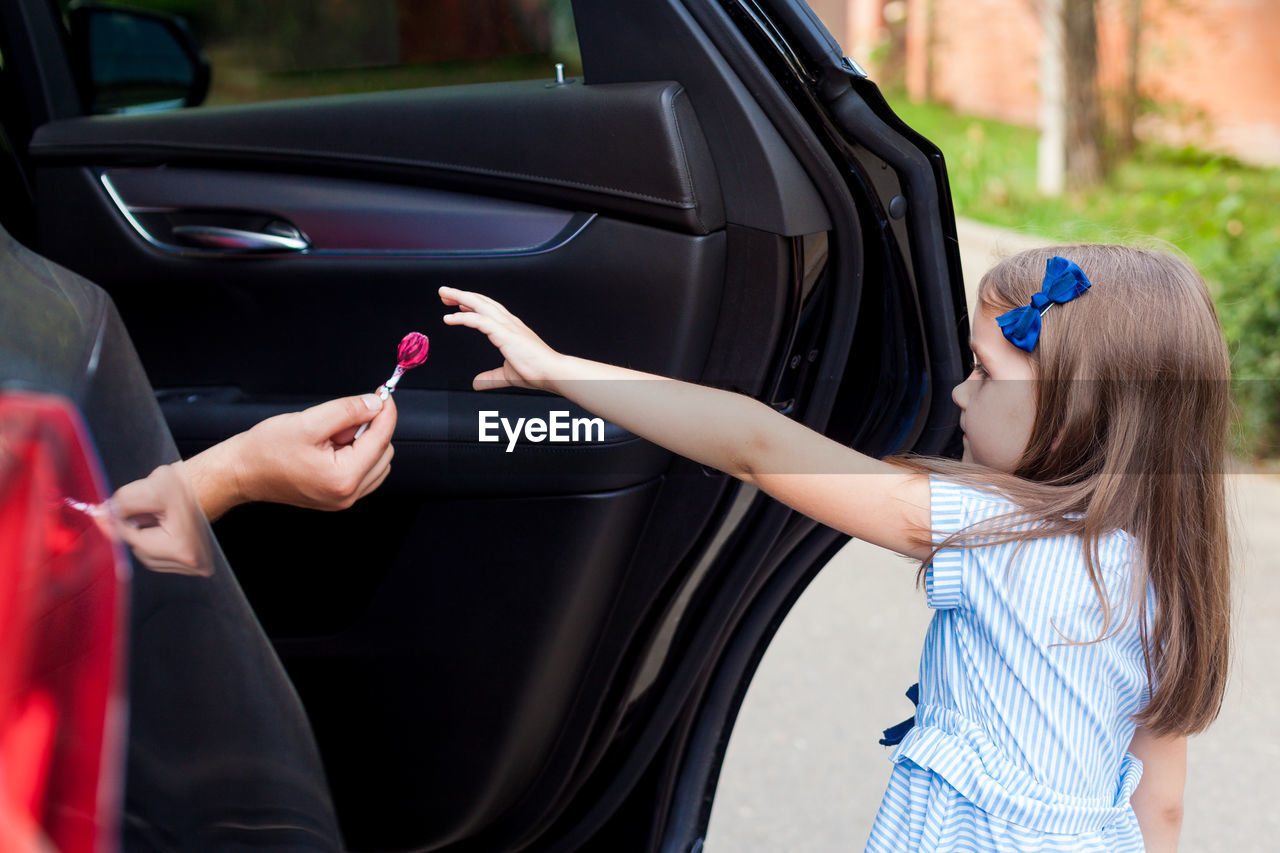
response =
{"points": [[160, 519], [308, 459], [529, 362]]}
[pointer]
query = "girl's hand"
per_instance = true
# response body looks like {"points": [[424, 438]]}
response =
{"points": [[528, 360]]}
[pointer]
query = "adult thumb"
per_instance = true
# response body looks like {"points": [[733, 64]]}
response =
{"points": [[329, 419]]}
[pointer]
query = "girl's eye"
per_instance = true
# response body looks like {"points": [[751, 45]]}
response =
{"points": [[980, 370]]}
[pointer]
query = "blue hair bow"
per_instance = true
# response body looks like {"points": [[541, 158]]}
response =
{"points": [[1063, 281]]}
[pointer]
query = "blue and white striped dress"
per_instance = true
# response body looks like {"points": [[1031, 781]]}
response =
{"points": [[1021, 737]]}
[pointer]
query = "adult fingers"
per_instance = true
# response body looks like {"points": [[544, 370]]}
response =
{"points": [[355, 477], [354, 460], [377, 473], [162, 549], [141, 497], [385, 419], [162, 524], [142, 503], [380, 428], [346, 436], [382, 475], [331, 418]]}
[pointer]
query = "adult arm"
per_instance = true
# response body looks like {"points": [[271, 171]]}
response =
{"points": [[307, 459]]}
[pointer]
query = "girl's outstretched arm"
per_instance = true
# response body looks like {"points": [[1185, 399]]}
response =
{"points": [[1158, 799], [809, 472]]}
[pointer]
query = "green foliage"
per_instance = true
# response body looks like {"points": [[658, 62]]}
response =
{"points": [[262, 51], [1249, 307], [1219, 211], [234, 83]]}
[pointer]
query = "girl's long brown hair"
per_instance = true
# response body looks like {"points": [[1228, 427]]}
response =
{"points": [[1132, 411]]}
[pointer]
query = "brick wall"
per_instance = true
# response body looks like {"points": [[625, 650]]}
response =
{"points": [[1213, 66]]}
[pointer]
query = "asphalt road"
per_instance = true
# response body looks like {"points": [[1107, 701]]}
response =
{"points": [[804, 771]]}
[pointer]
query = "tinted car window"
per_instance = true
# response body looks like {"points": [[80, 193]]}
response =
{"points": [[16, 211], [300, 48]]}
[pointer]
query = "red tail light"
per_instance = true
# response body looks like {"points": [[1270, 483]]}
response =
{"points": [[63, 593]]}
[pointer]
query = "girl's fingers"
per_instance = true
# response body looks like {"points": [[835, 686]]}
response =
{"points": [[464, 298], [473, 319], [496, 378], [504, 330], [449, 300], [465, 317], [469, 300]]}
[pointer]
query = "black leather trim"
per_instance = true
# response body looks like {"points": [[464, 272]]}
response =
{"points": [[634, 149], [438, 448]]}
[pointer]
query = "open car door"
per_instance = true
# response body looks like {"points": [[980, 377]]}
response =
{"points": [[538, 644]]}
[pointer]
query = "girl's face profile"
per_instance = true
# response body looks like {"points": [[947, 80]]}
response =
{"points": [[997, 401]]}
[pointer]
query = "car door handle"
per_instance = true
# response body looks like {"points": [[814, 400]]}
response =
{"points": [[238, 240]]}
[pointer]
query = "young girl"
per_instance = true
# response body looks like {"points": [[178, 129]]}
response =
{"points": [[1076, 556]]}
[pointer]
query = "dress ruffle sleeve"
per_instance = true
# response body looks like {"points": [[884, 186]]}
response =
{"points": [[944, 576]]}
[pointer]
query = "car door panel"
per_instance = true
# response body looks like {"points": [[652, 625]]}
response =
{"points": [[505, 642], [466, 646], [658, 290], [635, 149], [222, 336]]}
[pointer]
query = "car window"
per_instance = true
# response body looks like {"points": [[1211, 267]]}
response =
{"points": [[17, 213], [299, 48]]}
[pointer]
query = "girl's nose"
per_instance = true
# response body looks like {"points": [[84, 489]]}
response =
{"points": [[960, 394]]}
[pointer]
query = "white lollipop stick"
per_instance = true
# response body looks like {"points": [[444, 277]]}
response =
{"points": [[412, 352]]}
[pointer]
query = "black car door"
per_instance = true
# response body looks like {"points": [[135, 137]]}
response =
{"points": [[538, 645]]}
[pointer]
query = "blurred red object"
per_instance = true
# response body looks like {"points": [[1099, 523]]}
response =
{"points": [[63, 594]]}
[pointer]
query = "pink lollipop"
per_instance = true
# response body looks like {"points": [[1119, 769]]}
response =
{"points": [[412, 352]]}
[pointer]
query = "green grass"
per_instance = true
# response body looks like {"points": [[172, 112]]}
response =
{"points": [[1218, 211], [1222, 213]]}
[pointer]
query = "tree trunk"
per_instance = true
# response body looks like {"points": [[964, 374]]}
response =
{"points": [[1051, 154], [1127, 137], [1084, 126]]}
